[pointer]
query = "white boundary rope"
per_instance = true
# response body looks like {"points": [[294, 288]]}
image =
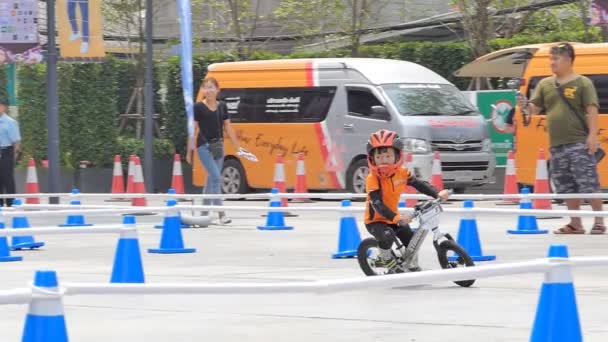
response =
{"points": [[336, 196], [352, 209], [76, 210], [22, 295], [61, 230]]}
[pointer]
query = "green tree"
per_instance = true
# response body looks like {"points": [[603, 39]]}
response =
{"points": [[477, 23], [3, 81], [235, 20], [338, 19], [310, 18], [125, 19], [32, 111]]}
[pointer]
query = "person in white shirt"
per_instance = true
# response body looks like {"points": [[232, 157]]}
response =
{"points": [[10, 140]]}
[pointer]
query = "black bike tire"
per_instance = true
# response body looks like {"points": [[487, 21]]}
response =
{"points": [[442, 255], [362, 255]]}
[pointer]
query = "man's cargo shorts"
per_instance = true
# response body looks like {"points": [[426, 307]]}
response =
{"points": [[573, 169]]}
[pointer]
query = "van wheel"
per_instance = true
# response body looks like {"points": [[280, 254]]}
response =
{"points": [[356, 176], [234, 180]]}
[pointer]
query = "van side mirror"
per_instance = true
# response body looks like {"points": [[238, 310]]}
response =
{"points": [[380, 112], [514, 83]]}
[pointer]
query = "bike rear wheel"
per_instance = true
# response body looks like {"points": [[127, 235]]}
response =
{"points": [[367, 254], [463, 260]]}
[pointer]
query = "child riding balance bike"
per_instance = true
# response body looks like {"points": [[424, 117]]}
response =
{"points": [[385, 183]]}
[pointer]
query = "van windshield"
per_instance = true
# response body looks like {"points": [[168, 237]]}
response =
{"points": [[428, 99]]}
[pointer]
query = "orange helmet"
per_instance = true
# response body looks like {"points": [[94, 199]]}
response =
{"points": [[384, 138]]}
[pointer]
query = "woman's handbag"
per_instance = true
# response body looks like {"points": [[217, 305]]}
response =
{"points": [[216, 148]]}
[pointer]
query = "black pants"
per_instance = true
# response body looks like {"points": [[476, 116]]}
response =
{"points": [[7, 175], [385, 233]]}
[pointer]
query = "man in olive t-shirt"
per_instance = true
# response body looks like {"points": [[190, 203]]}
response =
{"points": [[572, 142]]}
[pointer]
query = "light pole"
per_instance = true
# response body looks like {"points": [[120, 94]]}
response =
{"points": [[149, 103], [52, 103]]}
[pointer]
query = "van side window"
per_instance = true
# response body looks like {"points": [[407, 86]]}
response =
{"points": [[278, 104], [601, 85], [241, 106], [532, 83], [360, 104]]}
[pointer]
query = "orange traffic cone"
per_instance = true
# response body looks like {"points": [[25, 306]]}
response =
{"points": [[31, 182], [409, 164], [301, 186], [510, 180], [130, 175], [279, 178], [280, 184], [118, 184], [541, 183], [437, 177], [138, 185], [177, 181]]}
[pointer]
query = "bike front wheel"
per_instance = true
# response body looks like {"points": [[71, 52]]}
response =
{"points": [[463, 259]]}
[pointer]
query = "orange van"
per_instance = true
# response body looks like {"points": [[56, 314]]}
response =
{"points": [[531, 63]]}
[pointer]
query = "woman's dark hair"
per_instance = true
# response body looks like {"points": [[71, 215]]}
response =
{"points": [[211, 80]]}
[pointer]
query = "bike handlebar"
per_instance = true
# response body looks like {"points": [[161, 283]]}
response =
{"points": [[427, 204]]}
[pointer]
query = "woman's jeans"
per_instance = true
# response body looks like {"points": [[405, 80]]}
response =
{"points": [[84, 15], [214, 174]]}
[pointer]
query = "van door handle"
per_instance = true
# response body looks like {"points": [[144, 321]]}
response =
{"points": [[349, 126]]}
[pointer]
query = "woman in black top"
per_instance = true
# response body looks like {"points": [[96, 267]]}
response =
{"points": [[213, 121]]}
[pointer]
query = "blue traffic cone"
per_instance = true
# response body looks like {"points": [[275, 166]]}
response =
{"points": [[526, 224], [22, 242], [468, 237], [171, 240], [76, 220], [5, 253], [349, 237], [170, 203], [128, 267], [557, 318], [275, 219], [45, 320]]}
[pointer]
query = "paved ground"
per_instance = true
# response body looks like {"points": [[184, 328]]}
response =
{"points": [[496, 309]]}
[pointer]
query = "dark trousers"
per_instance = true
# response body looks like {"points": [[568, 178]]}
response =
{"points": [[385, 233], [7, 175]]}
